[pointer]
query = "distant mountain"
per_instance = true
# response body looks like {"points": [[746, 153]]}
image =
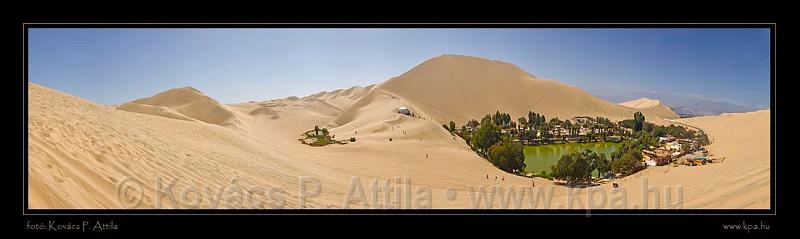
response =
{"points": [[685, 106], [707, 107]]}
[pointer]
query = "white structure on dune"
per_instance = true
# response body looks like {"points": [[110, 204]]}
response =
{"points": [[403, 110]]}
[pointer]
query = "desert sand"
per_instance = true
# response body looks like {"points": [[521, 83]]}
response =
{"points": [[654, 107], [460, 88], [81, 153]]}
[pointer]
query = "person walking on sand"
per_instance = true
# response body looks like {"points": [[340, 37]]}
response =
{"points": [[426, 155], [487, 177], [495, 178], [533, 184]]}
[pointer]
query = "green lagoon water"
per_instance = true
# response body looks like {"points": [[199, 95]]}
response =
{"points": [[539, 158]]}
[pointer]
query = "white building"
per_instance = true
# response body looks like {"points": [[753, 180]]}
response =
{"points": [[674, 145], [403, 110]]}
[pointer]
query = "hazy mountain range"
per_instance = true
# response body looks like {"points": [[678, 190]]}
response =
{"points": [[685, 105]]}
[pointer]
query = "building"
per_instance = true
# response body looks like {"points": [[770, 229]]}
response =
{"points": [[686, 141], [656, 157], [647, 154], [673, 145], [404, 110], [582, 119]]}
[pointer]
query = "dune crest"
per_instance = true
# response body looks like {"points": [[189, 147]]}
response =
{"points": [[185, 103], [641, 103], [460, 88], [654, 107]]}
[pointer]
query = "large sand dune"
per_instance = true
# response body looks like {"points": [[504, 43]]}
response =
{"points": [[183, 103], [653, 107], [743, 179], [81, 152], [460, 88]]}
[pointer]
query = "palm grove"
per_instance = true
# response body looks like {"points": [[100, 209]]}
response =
{"points": [[501, 140]]}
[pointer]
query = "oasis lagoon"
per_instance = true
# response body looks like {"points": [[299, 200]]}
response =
{"points": [[540, 158]]}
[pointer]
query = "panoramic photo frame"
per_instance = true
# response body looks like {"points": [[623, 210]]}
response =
{"points": [[521, 119]]}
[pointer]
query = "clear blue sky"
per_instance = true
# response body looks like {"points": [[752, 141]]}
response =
{"points": [[112, 66]]}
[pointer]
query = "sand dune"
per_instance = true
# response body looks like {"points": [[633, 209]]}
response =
{"points": [[154, 110], [81, 152], [181, 103], [641, 103], [653, 107], [354, 92], [79, 155], [266, 111], [460, 88], [743, 179]]}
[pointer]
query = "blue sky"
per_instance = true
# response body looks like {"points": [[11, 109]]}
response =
{"points": [[112, 66]]}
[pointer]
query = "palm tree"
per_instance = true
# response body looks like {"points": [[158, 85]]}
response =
{"points": [[544, 130]]}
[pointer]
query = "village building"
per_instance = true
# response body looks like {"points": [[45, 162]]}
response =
{"points": [[404, 110]]}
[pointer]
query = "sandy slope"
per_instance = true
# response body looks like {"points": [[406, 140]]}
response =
{"points": [[743, 179], [654, 107], [183, 103], [459, 88], [81, 152], [641, 103]]}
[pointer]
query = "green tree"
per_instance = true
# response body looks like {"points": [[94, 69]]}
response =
{"points": [[487, 117], [452, 126], [577, 167], [508, 156], [555, 121], [573, 167], [563, 168], [487, 135], [532, 118], [542, 120], [629, 163], [545, 128], [523, 122], [473, 123], [638, 121], [703, 140], [601, 164]]}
